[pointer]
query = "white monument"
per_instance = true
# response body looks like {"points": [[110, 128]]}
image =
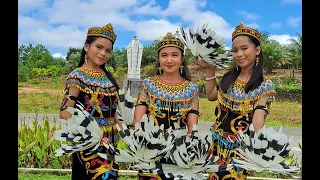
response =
{"points": [[178, 35], [134, 56]]}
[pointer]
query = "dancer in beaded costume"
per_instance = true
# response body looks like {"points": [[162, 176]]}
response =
{"points": [[94, 86], [244, 99], [169, 96]]}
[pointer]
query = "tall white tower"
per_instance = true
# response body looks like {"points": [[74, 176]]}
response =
{"points": [[134, 55]]}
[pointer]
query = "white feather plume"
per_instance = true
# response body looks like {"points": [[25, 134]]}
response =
{"points": [[202, 44], [189, 157], [266, 151], [146, 144], [125, 110], [81, 131]]}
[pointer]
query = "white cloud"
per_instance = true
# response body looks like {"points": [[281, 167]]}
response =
{"points": [[58, 55], [292, 1], [294, 21], [276, 25], [149, 8], [25, 22], [149, 30], [253, 25], [202, 3], [191, 15], [59, 26], [63, 36], [29, 4], [249, 16], [282, 39]]}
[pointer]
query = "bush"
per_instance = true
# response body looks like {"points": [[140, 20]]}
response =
{"points": [[23, 74], [287, 84], [36, 147], [202, 86], [147, 71]]}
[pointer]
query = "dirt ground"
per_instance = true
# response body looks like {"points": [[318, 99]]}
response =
{"points": [[28, 88]]}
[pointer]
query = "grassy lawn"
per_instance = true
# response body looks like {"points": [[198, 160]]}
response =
{"points": [[42, 176], [283, 113], [30, 176]]}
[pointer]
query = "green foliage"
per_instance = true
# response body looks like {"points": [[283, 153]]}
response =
{"points": [[43, 102], [111, 69], [73, 51], [149, 54], [289, 88], [73, 60], [287, 84], [36, 146], [202, 86], [51, 71], [118, 58], [23, 52], [147, 71], [120, 72], [23, 73], [38, 62], [39, 57]]}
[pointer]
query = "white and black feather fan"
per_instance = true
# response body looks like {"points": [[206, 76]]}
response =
{"points": [[202, 44], [81, 131], [125, 110], [266, 151], [189, 157], [146, 145]]}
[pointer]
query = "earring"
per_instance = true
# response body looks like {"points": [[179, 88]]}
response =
{"points": [[237, 67], [181, 69], [257, 59], [86, 59], [160, 70]]}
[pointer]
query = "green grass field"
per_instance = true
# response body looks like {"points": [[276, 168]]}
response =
{"points": [[46, 97], [41, 176], [283, 113]]}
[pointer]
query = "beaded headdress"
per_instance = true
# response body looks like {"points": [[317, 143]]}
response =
{"points": [[105, 31], [241, 29], [170, 41]]}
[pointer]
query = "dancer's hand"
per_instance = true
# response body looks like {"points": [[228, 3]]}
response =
{"points": [[204, 64], [105, 140]]}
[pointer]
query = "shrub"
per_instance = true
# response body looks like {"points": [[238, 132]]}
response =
{"points": [[36, 146]]}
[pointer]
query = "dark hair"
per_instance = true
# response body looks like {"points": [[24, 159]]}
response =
{"points": [[185, 71], [89, 41], [256, 75]]}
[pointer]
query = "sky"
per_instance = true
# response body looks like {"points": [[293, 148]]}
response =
{"points": [[61, 24]]}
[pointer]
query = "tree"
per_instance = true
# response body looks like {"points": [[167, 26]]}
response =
{"points": [[72, 51], [118, 58], [73, 60], [23, 52], [295, 49], [39, 57], [272, 51], [150, 54]]}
